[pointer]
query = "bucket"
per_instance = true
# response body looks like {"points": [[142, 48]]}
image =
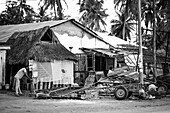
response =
{"points": [[6, 86]]}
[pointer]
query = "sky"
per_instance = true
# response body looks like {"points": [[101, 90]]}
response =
{"points": [[72, 9]]}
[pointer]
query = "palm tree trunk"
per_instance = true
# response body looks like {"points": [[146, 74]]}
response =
{"points": [[140, 44], [60, 14], [55, 14], [154, 40], [123, 33], [59, 10], [166, 56]]}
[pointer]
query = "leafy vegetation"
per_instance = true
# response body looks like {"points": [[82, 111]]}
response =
{"points": [[53, 4], [122, 26], [162, 19], [17, 13], [93, 14]]}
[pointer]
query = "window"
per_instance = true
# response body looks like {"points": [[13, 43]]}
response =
{"points": [[81, 64]]}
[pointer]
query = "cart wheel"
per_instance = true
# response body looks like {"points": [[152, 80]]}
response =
{"points": [[121, 93], [162, 89]]}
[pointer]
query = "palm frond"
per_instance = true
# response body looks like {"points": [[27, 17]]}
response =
{"points": [[114, 21]]}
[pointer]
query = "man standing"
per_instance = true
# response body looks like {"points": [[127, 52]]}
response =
{"points": [[18, 77]]}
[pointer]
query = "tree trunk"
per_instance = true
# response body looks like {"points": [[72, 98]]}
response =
{"points": [[59, 10], [55, 14], [123, 33], [140, 44], [166, 56], [154, 41]]}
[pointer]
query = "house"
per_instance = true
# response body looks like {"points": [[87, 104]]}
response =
{"points": [[162, 59], [117, 42], [92, 51], [131, 51], [48, 59]]}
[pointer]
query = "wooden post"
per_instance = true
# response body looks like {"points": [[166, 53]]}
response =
{"points": [[4, 68], [49, 84], [41, 85], [94, 60], [13, 79], [115, 62]]}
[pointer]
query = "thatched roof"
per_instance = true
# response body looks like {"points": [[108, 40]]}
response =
{"points": [[28, 45]]}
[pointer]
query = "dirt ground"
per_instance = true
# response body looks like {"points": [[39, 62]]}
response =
{"points": [[11, 104]]}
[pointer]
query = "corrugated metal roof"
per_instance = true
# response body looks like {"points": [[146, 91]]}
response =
{"points": [[106, 52], [6, 31], [100, 51]]}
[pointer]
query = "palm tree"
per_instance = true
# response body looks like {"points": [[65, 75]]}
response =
{"points": [[93, 14], [162, 21], [129, 6], [27, 10], [17, 12], [53, 4], [122, 26], [42, 16]]}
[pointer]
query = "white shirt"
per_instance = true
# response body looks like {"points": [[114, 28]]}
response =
{"points": [[152, 86], [21, 73], [110, 72]]}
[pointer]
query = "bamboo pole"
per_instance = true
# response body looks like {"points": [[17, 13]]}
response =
{"points": [[140, 44]]}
